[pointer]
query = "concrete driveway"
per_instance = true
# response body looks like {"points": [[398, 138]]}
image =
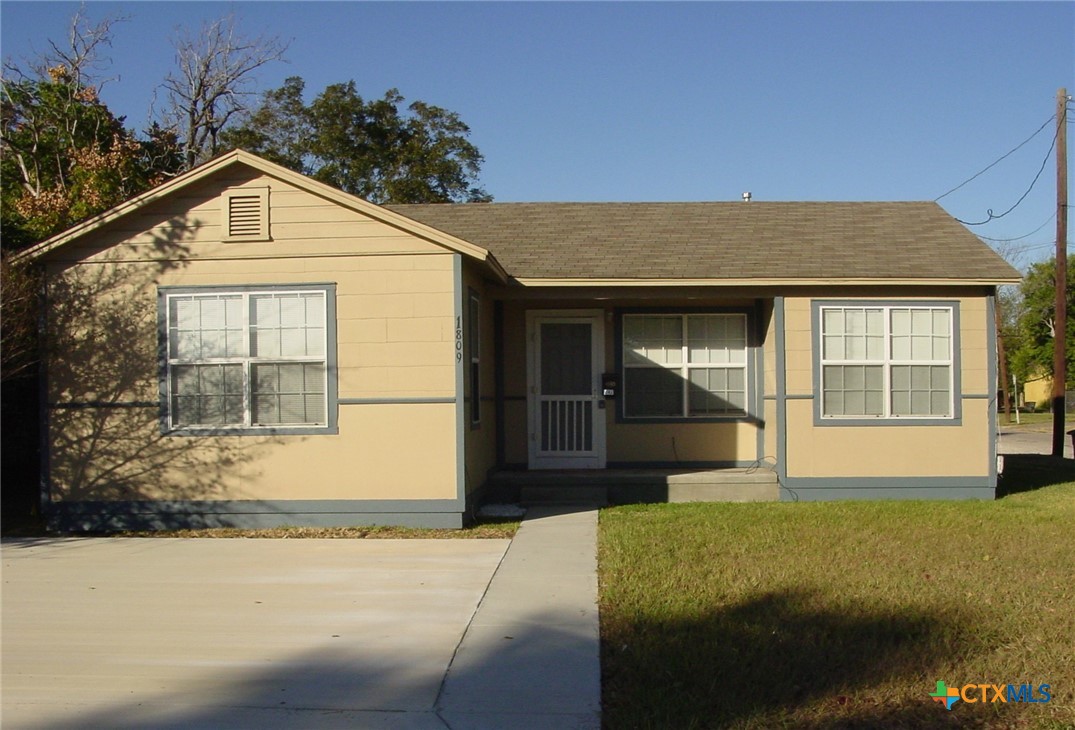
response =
{"points": [[173, 633], [1031, 440]]}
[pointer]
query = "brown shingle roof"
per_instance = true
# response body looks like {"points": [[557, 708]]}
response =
{"points": [[757, 240]]}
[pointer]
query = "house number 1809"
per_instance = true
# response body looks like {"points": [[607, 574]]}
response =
{"points": [[458, 339]]}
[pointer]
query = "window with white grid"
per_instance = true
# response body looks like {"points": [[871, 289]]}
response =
{"points": [[255, 359], [887, 362], [684, 365]]}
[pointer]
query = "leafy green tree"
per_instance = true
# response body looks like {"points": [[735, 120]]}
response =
{"points": [[279, 129], [1033, 355], [378, 149]]}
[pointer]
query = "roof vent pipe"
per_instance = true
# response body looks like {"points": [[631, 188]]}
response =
{"points": [[746, 197]]}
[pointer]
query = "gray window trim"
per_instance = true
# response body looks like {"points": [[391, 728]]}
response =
{"points": [[474, 307], [956, 419], [331, 375], [752, 368]]}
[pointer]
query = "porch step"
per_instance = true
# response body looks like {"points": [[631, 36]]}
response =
{"points": [[624, 486], [563, 494]]}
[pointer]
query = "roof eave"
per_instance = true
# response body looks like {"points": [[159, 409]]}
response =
{"points": [[763, 281], [207, 169]]}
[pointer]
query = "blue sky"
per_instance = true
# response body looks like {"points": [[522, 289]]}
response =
{"points": [[673, 101]]}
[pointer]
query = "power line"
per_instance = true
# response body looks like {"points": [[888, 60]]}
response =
{"points": [[1033, 247], [998, 161], [1019, 238], [989, 212]]}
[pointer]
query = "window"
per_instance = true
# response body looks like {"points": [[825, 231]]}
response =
{"points": [[245, 214], [474, 345], [887, 361], [684, 365], [247, 359]]}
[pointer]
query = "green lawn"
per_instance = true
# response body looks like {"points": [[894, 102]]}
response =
{"points": [[842, 614], [1034, 421]]}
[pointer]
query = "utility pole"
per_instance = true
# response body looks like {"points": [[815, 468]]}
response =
{"points": [[1060, 319]]}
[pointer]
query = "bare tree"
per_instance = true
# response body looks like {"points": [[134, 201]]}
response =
{"points": [[81, 56], [1007, 305], [213, 79]]}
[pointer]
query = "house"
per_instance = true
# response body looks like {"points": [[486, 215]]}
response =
{"points": [[1038, 392], [246, 346]]}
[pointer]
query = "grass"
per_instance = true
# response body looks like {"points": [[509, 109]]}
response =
{"points": [[846, 614], [1035, 421]]}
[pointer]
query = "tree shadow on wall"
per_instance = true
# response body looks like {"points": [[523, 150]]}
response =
{"points": [[106, 444]]}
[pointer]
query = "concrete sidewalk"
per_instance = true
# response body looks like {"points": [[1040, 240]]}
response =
{"points": [[531, 656], [170, 633]]}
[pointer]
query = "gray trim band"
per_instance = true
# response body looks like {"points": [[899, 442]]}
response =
{"points": [[759, 378], [258, 431], [444, 513], [910, 493], [340, 401], [258, 506], [885, 482], [243, 288], [679, 465], [991, 376], [781, 394], [77, 405], [821, 489], [394, 401], [461, 429]]}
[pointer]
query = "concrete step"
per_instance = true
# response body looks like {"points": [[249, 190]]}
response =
{"points": [[563, 494]]}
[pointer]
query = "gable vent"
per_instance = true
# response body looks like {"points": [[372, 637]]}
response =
{"points": [[246, 214]]}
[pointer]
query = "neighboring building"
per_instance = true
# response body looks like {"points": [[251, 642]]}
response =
{"points": [[244, 345], [1038, 392]]}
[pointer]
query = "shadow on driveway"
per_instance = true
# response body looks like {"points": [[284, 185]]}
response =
{"points": [[172, 633]]}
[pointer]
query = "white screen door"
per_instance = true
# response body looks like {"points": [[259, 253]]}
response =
{"points": [[566, 408]]}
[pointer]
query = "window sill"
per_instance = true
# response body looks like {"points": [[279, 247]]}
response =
{"points": [[260, 431], [889, 421]]}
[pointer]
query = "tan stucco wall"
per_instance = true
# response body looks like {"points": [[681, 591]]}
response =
{"points": [[770, 424], [676, 442], [888, 450], [395, 302], [103, 454]]}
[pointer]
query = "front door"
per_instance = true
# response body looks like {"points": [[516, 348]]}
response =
{"points": [[565, 407]]}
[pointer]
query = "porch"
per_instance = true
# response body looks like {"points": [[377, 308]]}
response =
{"points": [[625, 486]]}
